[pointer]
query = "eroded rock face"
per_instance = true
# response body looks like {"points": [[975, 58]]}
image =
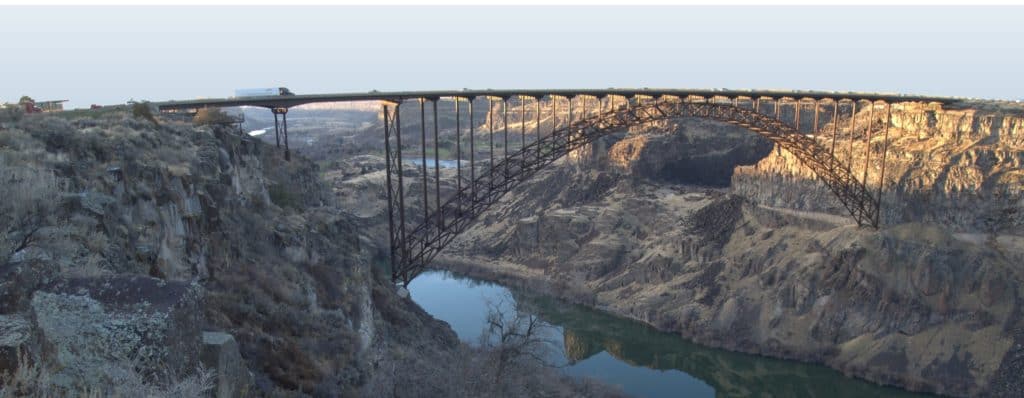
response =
{"points": [[962, 168], [88, 325]]}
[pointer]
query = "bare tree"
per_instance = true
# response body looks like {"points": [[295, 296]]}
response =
{"points": [[515, 338]]}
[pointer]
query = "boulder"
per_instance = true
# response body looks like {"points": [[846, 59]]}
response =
{"points": [[88, 326], [220, 355]]}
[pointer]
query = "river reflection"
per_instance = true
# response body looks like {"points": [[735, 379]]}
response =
{"points": [[643, 361]]}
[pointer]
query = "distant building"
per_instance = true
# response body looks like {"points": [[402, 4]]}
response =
{"points": [[51, 106]]}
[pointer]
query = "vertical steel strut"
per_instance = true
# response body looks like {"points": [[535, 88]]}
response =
{"points": [[537, 99], [796, 113], [472, 153], [490, 132], [504, 122], [815, 131], [277, 130], [853, 133], [885, 151], [522, 129], [835, 125], [458, 156], [867, 143], [437, 171], [554, 117], [284, 124], [423, 150], [404, 253], [568, 131], [391, 210]]}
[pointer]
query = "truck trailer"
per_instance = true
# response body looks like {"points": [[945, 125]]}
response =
{"points": [[262, 92]]}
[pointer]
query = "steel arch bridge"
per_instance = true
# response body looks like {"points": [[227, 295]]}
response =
{"points": [[417, 239], [807, 124]]}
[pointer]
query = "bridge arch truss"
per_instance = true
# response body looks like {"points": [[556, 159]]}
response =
{"points": [[809, 128]]}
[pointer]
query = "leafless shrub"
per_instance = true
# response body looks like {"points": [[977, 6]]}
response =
{"points": [[27, 202]]}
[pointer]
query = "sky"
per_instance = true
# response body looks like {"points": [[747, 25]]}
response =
{"points": [[109, 55]]}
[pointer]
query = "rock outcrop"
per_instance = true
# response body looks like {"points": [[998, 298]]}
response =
{"points": [[132, 210], [89, 327], [231, 376]]}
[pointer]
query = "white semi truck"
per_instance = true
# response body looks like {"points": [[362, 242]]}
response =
{"points": [[262, 92]]}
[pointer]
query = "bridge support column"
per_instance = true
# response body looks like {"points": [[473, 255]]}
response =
{"points": [[284, 128], [522, 131], [490, 134], [395, 192], [390, 193], [277, 130], [437, 172], [472, 153], [504, 122], [537, 99], [423, 167], [881, 175], [853, 134], [458, 157]]}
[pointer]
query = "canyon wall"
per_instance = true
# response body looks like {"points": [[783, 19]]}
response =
{"points": [[129, 238]]}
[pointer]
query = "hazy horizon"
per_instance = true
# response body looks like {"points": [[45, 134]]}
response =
{"points": [[108, 55]]}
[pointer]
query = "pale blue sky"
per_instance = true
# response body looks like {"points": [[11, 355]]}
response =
{"points": [[107, 55]]}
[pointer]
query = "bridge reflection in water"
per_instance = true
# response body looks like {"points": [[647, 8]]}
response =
{"points": [[644, 361], [588, 334]]}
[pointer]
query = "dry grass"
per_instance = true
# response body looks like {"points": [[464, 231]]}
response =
{"points": [[31, 379]]}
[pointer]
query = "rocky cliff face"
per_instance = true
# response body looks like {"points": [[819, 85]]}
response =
{"points": [[273, 264], [131, 254], [961, 167], [773, 265]]}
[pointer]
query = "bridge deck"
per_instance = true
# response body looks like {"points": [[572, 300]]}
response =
{"points": [[295, 100]]}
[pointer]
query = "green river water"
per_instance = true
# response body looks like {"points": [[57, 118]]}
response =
{"points": [[643, 361]]}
